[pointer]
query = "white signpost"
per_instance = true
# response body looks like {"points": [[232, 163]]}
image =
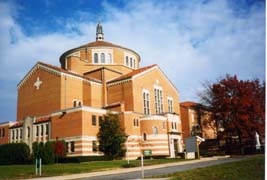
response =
{"points": [[38, 166]]}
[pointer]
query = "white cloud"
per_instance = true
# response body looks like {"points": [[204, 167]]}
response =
{"points": [[191, 41]]}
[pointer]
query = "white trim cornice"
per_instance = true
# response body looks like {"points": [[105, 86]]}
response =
{"points": [[153, 118], [52, 71]]}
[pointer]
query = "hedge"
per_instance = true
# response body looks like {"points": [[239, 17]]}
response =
{"points": [[49, 152], [14, 153], [80, 159]]}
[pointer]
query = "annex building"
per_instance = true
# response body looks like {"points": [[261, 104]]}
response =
{"points": [[67, 102]]}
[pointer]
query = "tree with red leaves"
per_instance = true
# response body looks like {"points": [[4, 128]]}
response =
{"points": [[238, 107], [59, 149]]}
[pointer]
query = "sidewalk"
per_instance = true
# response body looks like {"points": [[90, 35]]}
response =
{"points": [[127, 170]]}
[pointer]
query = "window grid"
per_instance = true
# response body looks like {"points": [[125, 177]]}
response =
{"points": [[72, 146], [170, 106], [93, 120], [158, 101], [146, 103]]}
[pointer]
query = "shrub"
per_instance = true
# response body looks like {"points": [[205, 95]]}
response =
{"points": [[154, 157], [15, 153], [49, 151], [44, 151], [130, 165], [80, 159]]}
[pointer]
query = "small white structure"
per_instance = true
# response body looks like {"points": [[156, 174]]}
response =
{"points": [[192, 146], [258, 144]]}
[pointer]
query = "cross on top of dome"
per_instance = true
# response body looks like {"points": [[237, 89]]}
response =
{"points": [[99, 32]]}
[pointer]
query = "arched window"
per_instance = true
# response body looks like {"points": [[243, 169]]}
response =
{"points": [[131, 62], [80, 103], [102, 58], [17, 134], [20, 133], [127, 61], [74, 103], [155, 130], [95, 58], [108, 58], [144, 136]]}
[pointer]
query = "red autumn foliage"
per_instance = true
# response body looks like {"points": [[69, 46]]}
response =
{"points": [[59, 148], [238, 107]]}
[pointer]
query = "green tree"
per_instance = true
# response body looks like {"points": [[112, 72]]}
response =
{"points": [[44, 151], [111, 136]]}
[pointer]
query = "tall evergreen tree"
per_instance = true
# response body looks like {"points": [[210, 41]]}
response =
{"points": [[111, 136]]}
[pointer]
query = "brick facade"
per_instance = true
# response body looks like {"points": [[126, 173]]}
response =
{"points": [[67, 102]]}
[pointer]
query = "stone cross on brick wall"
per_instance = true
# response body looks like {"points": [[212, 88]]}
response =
{"points": [[38, 83]]}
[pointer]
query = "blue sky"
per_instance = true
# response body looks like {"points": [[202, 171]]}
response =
{"points": [[192, 41]]}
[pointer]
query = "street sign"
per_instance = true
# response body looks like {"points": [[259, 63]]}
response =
{"points": [[147, 152]]}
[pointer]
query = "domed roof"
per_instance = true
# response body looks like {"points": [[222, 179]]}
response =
{"points": [[94, 44], [98, 43]]}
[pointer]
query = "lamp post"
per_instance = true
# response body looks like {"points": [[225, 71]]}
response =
{"points": [[127, 152]]}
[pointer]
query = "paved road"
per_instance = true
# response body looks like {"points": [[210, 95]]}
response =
{"points": [[164, 170]]}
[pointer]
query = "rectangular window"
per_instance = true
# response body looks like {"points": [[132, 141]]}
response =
{"points": [[46, 129], [146, 102], [20, 133], [158, 101], [72, 146], [13, 134], [42, 130], [100, 119], [17, 134], [170, 105], [37, 130], [136, 122], [192, 116], [93, 120], [28, 130], [94, 146]]}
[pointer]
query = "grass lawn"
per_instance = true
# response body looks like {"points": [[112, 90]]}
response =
{"points": [[248, 169], [28, 171]]}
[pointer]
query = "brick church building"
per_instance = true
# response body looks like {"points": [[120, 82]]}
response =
{"points": [[67, 102]]}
